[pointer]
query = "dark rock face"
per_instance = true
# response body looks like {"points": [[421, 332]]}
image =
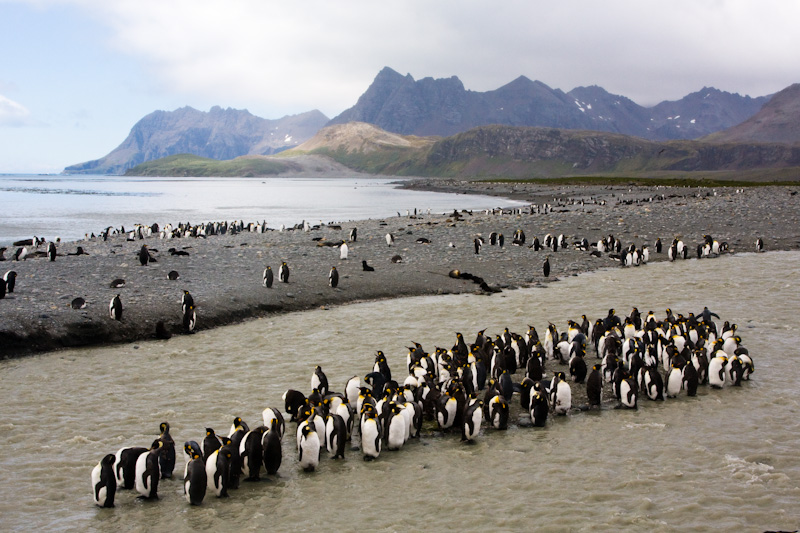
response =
{"points": [[443, 107], [586, 151], [217, 134], [778, 121]]}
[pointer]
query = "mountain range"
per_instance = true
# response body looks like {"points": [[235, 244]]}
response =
{"points": [[443, 107], [216, 134], [399, 104]]}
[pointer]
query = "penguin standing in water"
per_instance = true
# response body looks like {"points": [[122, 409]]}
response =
{"points": [[104, 482], [308, 448], [629, 392], [195, 481], [218, 471], [333, 277], [560, 394], [148, 471], [690, 379], [539, 409], [125, 466], [271, 446], [251, 453], [166, 460], [674, 381], [594, 387], [283, 273], [473, 414], [370, 435], [51, 251], [335, 435], [546, 267], [115, 308], [210, 444], [268, 277]]}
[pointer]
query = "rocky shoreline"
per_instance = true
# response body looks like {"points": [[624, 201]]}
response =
{"points": [[224, 272]]}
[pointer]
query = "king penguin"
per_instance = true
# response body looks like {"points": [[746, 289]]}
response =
{"points": [[195, 481], [546, 267], [283, 273], [148, 471], [115, 308], [343, 249], [268, 277], [333, 277], [166, 460], [308, 448], [104, 482]]}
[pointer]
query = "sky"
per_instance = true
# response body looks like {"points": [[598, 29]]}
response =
{"points": [[76, 75]]}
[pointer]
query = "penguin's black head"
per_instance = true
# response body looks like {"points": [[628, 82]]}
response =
{"points": [[164, 427]]}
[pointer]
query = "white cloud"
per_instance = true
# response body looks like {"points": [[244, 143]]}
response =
{"points": [[13, 113], [293, 56]]}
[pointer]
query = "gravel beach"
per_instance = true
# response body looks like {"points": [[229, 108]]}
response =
{"points": [[223, 273]]}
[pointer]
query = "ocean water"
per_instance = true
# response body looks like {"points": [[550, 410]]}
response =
{"points": [[72, 206], [726, 460]]}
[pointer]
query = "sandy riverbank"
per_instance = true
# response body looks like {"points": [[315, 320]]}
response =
{"points": [[224, 272]]}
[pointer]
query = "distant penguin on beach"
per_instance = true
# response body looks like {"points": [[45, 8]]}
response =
{"points": [[477, 244], [354, 235], [186, 301], [268, 277], [115, 308], [333, 277], [759, 245], [546, 267], [283, 273], [51, 251], [343, 249], [389, 239], [189, 319]]}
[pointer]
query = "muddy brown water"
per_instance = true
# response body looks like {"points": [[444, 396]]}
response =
{"points": [[724, 460]]}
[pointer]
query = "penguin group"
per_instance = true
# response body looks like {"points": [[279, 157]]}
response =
{"points": [[465, 390]]}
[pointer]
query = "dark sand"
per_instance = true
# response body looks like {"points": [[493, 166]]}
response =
{"points": [[224, 272]]}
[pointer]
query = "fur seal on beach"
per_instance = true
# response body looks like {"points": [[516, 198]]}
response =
{"points": [[268, 277], [115, 308], [173, 275], [117, 283], [104, 483], [365, 267], [161, 331], [78, 303], [333, 277], [283, 273]]}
